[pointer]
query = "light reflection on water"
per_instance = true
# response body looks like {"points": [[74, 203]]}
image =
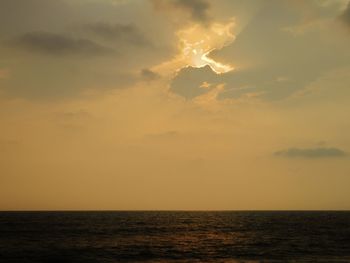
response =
{"points": [[175, 237]]}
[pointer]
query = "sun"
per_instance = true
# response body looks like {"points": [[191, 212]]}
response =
{"points": [[200, 59], [196, 43]]}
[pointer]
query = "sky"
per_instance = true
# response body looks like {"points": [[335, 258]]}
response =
{"points": [[174, 105]]}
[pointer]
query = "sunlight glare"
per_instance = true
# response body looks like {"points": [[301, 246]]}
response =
{"points": [[198, 42]]}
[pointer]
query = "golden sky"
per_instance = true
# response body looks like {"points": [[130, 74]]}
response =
{"points": [[174, 104]]}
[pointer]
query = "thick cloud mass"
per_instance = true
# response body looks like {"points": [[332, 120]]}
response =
{"points": [[311, 152], [188, 81], [281, 50]]}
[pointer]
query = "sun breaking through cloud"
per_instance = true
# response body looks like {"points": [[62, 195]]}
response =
{"points": [[197, 42]]}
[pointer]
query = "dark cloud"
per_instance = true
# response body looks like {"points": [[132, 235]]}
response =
{"points": [[320, 152], [198, 9], [346, 15], [149, 75], [189, 80], [57, 44], [123, 33]]}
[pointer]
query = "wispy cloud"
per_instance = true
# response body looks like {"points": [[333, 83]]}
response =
{"points": [[123, 33], [320, 152]]}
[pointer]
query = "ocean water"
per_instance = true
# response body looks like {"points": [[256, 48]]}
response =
{"points": [[174, 237]]}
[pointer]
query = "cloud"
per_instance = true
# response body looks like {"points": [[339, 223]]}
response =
{"points": [[320, 152], [189, 81], [60, 49], [198, 9], [58, 44], [346, 15], [124, 33], [149, 75], [274, 69]]}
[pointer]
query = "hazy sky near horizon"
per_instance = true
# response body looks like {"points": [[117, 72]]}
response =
{"points": [[174, 104]]}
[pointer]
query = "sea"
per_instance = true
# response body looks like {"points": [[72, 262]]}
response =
{"points": [[175, 236]]}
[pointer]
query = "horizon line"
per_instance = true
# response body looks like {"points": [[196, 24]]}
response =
{"points": [[181, 210]]}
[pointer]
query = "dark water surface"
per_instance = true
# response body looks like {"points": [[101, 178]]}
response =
{"points": [[174, 237]]}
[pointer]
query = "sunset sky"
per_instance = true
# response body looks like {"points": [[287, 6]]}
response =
{"points": [[174, 104]]}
